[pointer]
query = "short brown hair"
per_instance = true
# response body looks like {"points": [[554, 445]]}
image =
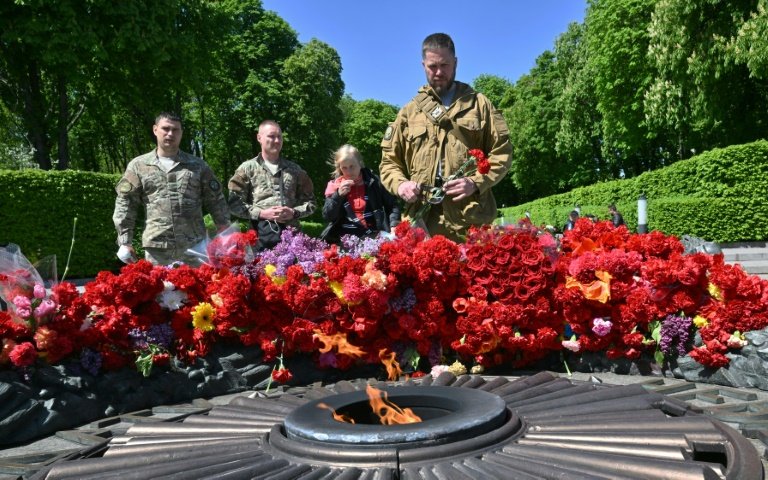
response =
{"points": [[436, 41]]}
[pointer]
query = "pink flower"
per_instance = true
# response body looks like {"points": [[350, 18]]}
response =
{"points": [[22, 302], [38, 291], [572, 345], [45, 308], [438, 369], [601, 327]]}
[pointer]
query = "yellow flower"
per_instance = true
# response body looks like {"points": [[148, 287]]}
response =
{"points": [[338, 289], [714, 290], [457, 368], [276, 279], [202, 317], [700, 321]]}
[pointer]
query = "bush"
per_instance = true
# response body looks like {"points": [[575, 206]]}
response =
{"points": [[719, 195], [39, 209]]}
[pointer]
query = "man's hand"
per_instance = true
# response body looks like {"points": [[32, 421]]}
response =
{"points": [[409, 191], [460, 188], [277, 214], [127, 254]]}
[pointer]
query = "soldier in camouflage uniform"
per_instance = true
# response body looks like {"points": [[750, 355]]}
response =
{"points": [[173, 187], [429, 140], [269, 190]]}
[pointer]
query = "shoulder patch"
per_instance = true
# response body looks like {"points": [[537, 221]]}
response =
{"points": [[124, 186], [388, 132], [215, 185]]}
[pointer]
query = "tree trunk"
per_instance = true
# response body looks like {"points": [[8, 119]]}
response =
{"points": [[63, 125], [35, 117]]}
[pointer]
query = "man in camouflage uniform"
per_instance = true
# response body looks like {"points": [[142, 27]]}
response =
{"points": [[429, 140], [269, 190], [173, 187]]}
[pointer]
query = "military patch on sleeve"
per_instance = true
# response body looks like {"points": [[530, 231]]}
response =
{"points": [[215, 185], [388, 132], [124, 186]]}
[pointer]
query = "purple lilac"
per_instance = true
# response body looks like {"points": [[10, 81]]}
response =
{"points": [[357, 247], [675, 331], [294, 248], [90, 360], [251, 270], [160, 335], [404, 302]]}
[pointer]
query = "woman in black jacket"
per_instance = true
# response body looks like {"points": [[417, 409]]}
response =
{"points": [[356, 203]]}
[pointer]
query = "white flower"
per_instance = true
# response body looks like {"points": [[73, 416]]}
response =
{"points": [[437, 370], [171, 299]]}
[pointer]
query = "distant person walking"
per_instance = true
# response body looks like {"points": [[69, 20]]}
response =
{"points": [[616, 217], [571, 222]]}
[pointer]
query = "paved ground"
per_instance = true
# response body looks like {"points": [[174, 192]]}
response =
{"points": [[744, 409]]}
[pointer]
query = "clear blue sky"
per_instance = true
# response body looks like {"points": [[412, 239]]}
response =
{"points": [[379, 42]]}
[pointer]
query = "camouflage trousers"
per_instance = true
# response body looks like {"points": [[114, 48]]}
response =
{"points": [[168, 256]]}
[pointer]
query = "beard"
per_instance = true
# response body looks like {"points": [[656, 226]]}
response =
{"points": [[443, 85]]}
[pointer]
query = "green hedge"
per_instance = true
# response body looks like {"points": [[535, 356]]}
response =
{"points": [[720, 195], [38, 209], [37, 212]]}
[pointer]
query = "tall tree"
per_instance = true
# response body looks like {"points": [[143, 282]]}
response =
{"points": [[750, 44], [700, 97], [536, 169], [312, 117], [579, 136], [364, 126], [617, 41]]}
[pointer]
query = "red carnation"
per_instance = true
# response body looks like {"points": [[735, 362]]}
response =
{"points": [[282, 375], [23, 354]]}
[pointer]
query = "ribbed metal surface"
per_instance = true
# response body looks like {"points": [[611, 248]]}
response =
{"points": [[560, 430]]}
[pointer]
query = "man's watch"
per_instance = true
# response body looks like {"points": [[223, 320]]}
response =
{"points": [[296, 214]]}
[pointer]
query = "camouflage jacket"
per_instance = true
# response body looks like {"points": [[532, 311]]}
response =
{"points": [[253, 188], [174, 201], [413, 146]]}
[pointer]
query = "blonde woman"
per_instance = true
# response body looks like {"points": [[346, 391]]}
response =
{"points": [[356, 203]]}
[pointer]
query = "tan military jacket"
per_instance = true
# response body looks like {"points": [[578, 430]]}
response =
{"points": [[413, 144], [174, 201], [253, 188]]}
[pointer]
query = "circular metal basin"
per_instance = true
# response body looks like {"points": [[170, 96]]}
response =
{"points": [[537, 427]]}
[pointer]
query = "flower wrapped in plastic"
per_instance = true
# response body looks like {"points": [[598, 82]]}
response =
{"points": [[229, 248]]}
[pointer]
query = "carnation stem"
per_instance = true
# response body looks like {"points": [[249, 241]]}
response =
{"points": [[568, 370], [71, 247]]}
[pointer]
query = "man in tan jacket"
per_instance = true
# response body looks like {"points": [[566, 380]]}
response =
{"points": [[429, 141]]}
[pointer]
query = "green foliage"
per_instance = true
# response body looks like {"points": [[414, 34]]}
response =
{"points": [[718, 195], [364, 126], [39, 209]]}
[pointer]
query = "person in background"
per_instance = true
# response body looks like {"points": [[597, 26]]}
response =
{"points": [[429, 140], [616, 217], [174, 188], [270, 190], [571, 222], [356, 203]]}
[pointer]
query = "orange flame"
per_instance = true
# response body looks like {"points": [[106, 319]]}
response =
{"points": [[388, 412], [339, 417], [338, 340], [393, 368]]}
